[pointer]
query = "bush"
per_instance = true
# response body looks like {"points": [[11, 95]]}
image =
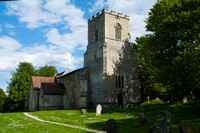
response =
{"points": [[152, 102]]}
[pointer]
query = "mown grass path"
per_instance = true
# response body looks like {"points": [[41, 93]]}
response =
{"points": [[87, 129]]}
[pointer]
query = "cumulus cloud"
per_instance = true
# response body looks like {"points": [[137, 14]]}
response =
{"points": [[51, 13], [39, 13], [69, 41], [10, 26], [98, 5], [12, 52]]}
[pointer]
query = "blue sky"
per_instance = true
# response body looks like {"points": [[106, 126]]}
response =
{"points": [[54, 32]]}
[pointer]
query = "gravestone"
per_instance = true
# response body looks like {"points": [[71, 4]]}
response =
{"points": [[157, 99], [161, 128], [83, 111], [167, 116], [142, 119], [189, 127], [148, 99], [185, 100], [111, 126], [98, 109]]}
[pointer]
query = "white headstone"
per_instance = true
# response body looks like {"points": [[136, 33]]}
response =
{"points": [[157, 99], [98, 109]]}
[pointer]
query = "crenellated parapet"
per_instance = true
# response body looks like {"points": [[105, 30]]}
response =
{"points": [[118, 15]]}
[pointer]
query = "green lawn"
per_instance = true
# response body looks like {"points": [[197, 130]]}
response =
{"points": [[127, 118], [19, 123]]}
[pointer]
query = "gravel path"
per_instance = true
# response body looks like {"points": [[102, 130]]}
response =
{"points": [[83, 128]]}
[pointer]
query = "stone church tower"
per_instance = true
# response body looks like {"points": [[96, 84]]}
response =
{"points": [[107, 34], [109, 76]]}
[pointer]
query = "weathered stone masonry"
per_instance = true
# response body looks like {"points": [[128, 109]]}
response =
{"points": [[109, 76]]}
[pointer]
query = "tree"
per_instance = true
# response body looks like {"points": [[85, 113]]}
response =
{"points": [[146, 70], [19, 85], [47, 71], [172, 49], [2, 99]]}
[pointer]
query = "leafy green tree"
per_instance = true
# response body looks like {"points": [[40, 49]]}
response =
{"points": [[2, 99], [19, 85], [47, 71], [172, 49]]}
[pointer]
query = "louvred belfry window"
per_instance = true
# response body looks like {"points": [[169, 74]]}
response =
{"points": [[118, 32], [96, 35]]}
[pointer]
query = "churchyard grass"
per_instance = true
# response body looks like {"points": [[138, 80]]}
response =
{"points": [[19, 123], [127, 118]]}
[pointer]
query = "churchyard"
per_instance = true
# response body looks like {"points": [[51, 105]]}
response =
{"points": [[126, 118]]}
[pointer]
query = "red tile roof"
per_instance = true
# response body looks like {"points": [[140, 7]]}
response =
{"points": [[36, 81], [53, 88]]}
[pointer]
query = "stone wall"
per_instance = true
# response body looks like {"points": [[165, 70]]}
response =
{"points": [[50, 102], [76, 84], [33, 99]]}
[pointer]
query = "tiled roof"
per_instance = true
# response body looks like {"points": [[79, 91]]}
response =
{"points": [[36, 81], [53, 88]]}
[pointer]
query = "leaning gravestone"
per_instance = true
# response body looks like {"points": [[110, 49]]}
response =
{"points": [[142, 119], [83, 111], [161, 128], [167, 116], [98, 109], [189, 127], [111, 126]]}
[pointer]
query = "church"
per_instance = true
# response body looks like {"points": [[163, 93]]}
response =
{"points": [[109, 76]]}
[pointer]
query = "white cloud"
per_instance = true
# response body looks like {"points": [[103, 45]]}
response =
{"points": [[38, 13], [98, 5], [69, 41], [12, 33], [8, 45], [12, 52], [10, 26]]}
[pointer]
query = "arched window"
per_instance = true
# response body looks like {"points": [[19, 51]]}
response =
{"points": [[118, 29], [119, 81], [96, 35]]}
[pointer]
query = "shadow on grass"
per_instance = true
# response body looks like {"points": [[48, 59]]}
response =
{"points": [[154, 113], [124, 126]]}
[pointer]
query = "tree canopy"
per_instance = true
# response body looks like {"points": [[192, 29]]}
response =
{"points": [[47, 71], [169, 56]]}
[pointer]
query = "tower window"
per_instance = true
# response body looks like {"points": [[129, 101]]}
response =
{"points": [[119, 81], [96, 35], [118, 32]]}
